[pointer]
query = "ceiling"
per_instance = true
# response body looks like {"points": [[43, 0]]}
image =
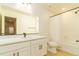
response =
{"points": [[56, 8]]}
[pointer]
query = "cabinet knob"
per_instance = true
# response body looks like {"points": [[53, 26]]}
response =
{"points": [[17, 53], [13, 54]]}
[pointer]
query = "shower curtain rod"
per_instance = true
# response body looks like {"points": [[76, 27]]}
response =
{"points": [[64, 12]]}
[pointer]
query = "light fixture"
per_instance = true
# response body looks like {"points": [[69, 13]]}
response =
{"points": [[27, 5], [24, 6]]}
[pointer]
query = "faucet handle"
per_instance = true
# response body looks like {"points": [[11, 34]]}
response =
{"points": [[24, 34]]}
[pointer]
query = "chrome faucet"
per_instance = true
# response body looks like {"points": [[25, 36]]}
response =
{"points": [[24, 34]]}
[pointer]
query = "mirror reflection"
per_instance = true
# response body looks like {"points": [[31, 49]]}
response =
{"points": [[10, 25]]}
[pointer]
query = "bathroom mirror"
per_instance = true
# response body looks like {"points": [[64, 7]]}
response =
{"points": [[17, 22], [22, 24]]}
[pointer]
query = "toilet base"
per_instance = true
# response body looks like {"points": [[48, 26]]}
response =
{"points": [[53, 50]]}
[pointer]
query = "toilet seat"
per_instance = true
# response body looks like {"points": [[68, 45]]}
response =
{"points": [[51, 43]]}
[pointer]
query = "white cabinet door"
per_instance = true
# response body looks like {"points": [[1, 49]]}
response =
{"points": [[24, 51], [43, 48], [39, 47], [34, 50]]}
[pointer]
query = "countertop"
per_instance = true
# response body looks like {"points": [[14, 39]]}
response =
{"points": [[12, 39]]}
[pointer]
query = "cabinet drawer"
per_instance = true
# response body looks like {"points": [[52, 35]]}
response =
{"points": [[10, 53], [20, 45], [33, 42], [38, 41], [35, 50]]}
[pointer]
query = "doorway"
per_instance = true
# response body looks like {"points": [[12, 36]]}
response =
{"points": [[10, 25]]}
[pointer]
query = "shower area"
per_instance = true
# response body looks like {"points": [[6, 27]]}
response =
{"points": [[65, 30]]}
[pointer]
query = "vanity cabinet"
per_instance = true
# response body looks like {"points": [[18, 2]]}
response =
{"points": [[35, 47], [39, 47]]}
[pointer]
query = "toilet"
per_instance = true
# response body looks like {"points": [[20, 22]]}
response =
{"points": [[52, 46]]}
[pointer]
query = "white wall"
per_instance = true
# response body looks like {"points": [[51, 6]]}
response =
{"points": [[43, 15], [55, 28]]}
